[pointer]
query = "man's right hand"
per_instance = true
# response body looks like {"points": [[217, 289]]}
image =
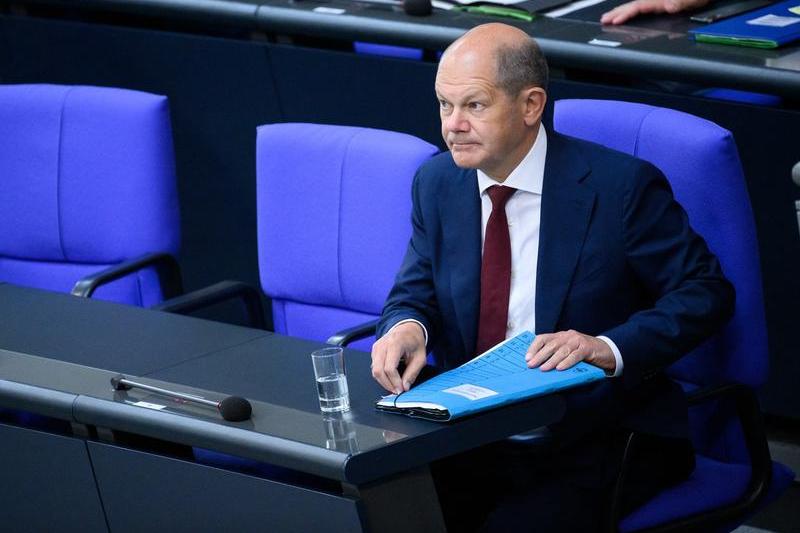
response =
{"points": [[404, 342], [625, 12]]}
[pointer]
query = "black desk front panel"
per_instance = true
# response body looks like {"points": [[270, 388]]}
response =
{"points": [[47, 483], [147, 492]]}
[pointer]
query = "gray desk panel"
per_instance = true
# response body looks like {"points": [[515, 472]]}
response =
{"points": [[401, 29], [47, 386], [63, 327], [39, 400], [36, 384], [146, 492], [39, 385], [232, 438], [47, 483]]}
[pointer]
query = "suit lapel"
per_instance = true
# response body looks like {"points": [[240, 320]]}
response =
{"points": [[566, 212], [460, 212]]}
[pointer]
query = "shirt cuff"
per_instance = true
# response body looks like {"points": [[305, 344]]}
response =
{"points": [[617, 356], [424, 330]]}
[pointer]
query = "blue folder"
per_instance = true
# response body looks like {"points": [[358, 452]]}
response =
{"points": [[768, 27], [498, 377]]}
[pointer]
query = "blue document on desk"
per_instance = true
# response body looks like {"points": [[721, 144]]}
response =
{"points": [[768, 27], [498, 377]]}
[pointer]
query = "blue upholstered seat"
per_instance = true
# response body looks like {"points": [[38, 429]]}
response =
{"points": [[87, 181], [333, 222], [701, 162]]}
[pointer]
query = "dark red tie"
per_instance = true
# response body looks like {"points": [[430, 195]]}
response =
{"points": [[495, 272]]}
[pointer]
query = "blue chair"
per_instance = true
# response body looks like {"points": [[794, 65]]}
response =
{"points": [[333, 206], [333, 223], [388, 50], [742, 97], [88, 199], [734, 473]]}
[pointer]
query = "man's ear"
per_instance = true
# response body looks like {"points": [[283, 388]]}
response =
{"points": [[535, 99]]}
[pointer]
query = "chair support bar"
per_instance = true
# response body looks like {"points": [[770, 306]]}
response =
{"points": [[218, 293]]}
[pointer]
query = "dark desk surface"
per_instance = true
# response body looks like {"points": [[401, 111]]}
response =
{"points": [[58, 353], [647, 49], [116, 337]]}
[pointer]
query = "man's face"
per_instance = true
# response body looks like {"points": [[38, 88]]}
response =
{"points": [[482, 125]]}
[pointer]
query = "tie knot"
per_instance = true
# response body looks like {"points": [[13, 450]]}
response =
{"points": [[499, 195]]}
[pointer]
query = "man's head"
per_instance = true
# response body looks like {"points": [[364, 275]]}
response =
{"points": [[491, 89]]}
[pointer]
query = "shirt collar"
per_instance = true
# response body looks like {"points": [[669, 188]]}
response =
{"points": [[529, 174]]}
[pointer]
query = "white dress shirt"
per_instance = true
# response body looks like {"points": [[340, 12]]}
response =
{"points": [[524, 213]]}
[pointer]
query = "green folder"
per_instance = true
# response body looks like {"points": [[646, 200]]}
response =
{"points": [[498, 11]]}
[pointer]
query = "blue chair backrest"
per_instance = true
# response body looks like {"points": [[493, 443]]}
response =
{"points": [[87, 180], [333, 222], [387, 50], [701, 162]]}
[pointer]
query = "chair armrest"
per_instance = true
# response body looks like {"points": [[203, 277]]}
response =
{"points": [[218, 293], [346, 336], [749, 414], [167, 269]]}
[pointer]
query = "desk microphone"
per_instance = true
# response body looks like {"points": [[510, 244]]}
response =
{"points": [[232, 408]]}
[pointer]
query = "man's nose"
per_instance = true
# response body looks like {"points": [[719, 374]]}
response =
{"points": [[456, 122]]}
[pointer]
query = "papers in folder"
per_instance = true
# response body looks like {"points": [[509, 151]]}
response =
{"points": [[768, 27], [498, 377]]}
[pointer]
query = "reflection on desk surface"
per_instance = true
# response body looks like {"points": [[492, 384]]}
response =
{"points": [[789, 61]]}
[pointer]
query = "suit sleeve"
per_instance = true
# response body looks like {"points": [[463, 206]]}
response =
{"points": [[691, 297], [413, 295]]}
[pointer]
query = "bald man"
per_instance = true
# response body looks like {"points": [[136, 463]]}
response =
{"points": [[516, 228]]}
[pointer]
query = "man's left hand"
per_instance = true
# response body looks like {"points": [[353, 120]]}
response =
{"points": [[565, 349]]}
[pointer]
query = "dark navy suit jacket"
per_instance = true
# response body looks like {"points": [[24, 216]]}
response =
{"points": [[616, 257]]}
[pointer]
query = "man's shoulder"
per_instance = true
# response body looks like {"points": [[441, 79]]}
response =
{"points": [[440, 170], [441, 163]]}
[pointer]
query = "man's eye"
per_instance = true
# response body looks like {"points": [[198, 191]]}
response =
{"points": [[443, 104], [476, 106]]}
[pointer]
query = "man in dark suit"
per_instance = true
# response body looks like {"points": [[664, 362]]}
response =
{"points": [[518, 228]]}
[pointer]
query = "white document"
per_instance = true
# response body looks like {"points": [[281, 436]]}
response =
{"points": [[471, 392], [774, 21]]}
